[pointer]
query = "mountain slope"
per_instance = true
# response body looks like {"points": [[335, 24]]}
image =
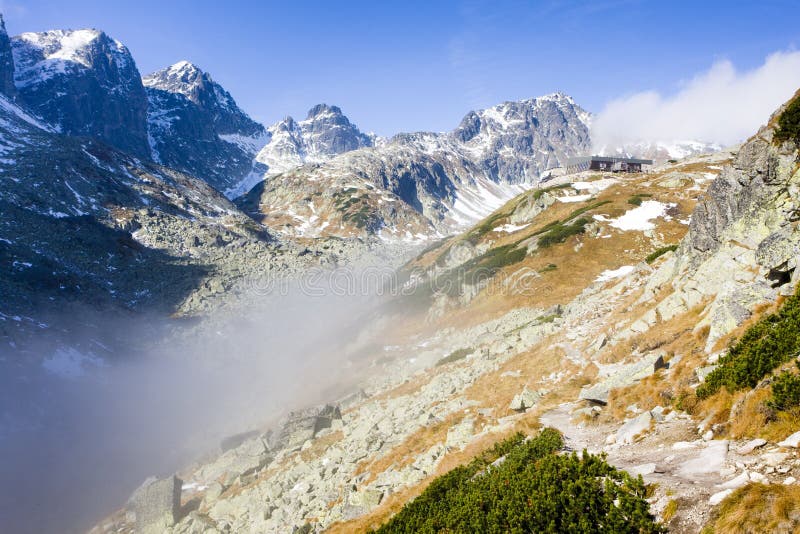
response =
{"points": [[196, 126], [85, 83], [86, 225]]}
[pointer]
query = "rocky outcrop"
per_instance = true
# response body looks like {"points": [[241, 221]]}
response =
{"points": [[156, 504], [84, 82], [301, 426], [742, 245], [221, 110], [620, 376]]}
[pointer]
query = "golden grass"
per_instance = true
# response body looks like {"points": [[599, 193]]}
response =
{"points": [[670, 510], [413, 446], [673, 337], [751, 418], [759, 508]]}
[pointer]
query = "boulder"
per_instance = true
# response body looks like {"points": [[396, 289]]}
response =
{"points": [[774, 459], [719, 497], [247, 458], [231, 442], [703, 372], [461, 434], [301, 426], [736, 482], [623, 377], [633, 428], [709, 460], [156, 504], [792, 441], [644, 469], [366, 497], [751, 445], [524, 400]]}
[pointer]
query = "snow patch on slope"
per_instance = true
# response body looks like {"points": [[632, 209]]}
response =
{"points": [[639, 218]]}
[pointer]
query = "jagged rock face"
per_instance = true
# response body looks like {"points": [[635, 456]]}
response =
{"points": [[84, 82], [196, 126], [215, 102], [183, 136], [324, 133], [7, 86], [759, 176], [517, 141], [743, 244], [328, 131]]}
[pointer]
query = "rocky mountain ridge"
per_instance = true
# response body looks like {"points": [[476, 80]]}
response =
{"points": [[449, 180]]}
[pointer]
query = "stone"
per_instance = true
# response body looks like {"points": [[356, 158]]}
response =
{"points": [[633, 428], [789, 481], [736, 482], [644, 469], [703, 372], [758, 478], [710, 460], [213, 491], [623, 377], [774, 459], [461, 434], [365, 498], [719, 497], [231, 442], [792, 441], [156, 504], [751, 445], [524, 400], [301, 426]]}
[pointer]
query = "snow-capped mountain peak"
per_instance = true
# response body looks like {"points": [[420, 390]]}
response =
{"points": [[45, 54], [83, 82], [183, 77], [187, 79], [325, 132]]}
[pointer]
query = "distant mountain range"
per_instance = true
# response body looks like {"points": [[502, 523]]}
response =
{"points": [[107, 173]]}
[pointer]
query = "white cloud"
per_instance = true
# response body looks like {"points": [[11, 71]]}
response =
{"points": [[720, 106]]}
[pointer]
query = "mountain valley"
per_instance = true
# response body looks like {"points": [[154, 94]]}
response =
{"points": [[303, 327]]}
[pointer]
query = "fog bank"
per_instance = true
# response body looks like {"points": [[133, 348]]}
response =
{"points": [[75, 445]]}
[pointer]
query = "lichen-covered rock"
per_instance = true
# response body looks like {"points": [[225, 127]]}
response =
{"points": [[623, 376], [157, 504], [524, 400]]}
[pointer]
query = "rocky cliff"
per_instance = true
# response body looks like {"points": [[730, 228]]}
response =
{"points": [[7, 86], [194, 125], [324, 133], [85, 83]]}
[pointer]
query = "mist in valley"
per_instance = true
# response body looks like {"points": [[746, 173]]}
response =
{"points": [[78, 438]]}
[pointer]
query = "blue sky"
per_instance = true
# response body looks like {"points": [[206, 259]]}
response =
{"points": [[412, 65]]}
